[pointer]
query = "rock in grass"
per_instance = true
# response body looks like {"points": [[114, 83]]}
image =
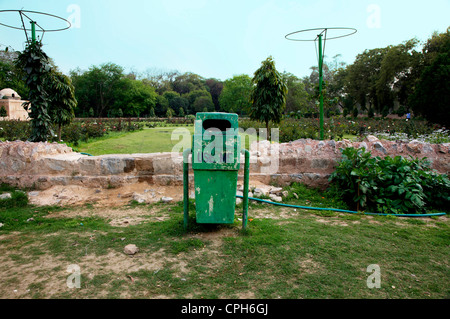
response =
{"points": [[166, 199], [131, 249], [5, 196]]}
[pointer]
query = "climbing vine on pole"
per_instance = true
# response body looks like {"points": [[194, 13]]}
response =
{"points": [[35, 65]]}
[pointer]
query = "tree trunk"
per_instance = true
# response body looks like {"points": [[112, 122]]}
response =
{"points": [[59, 132]]}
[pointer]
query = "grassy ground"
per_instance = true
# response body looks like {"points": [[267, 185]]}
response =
{"points": [[285, 253], [150, 140]]}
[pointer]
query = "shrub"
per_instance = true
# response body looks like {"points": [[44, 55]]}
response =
{"points": [[390, 185]]}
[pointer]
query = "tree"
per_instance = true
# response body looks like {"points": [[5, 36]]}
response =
{"points": [[9, 75], [62, 101], [268, 96], [203, 103], [134, 97], [97, 88], [431, 97], [179, 105], [187, 82], [35, 65], [196, 94], [362, 77], [161, 105], [215, 88], [297, 98], [235, 96], [398, 73]]}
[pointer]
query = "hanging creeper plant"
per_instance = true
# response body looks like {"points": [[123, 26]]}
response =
{"points": [[36, 68]]}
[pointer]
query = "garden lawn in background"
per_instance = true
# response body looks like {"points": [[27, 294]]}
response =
{"points": [[149, 140]]}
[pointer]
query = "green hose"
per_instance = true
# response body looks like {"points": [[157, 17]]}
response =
{"points": [[341, 210], [86, 154]]}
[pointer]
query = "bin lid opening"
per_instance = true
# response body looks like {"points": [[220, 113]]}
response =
{"points": [[221, 125]]}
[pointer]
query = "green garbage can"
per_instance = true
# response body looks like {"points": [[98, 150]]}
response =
{"points": [[216, 150], [216, 162]]}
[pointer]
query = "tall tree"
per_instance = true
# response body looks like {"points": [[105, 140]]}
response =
{"points": [[397, 73], [432, 92], [268, 96], [362, 77], [62, 101]]}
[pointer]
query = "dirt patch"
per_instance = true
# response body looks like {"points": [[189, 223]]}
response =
{"points": [[308, 265], [117, 217], [333, 222], [114, 197]]}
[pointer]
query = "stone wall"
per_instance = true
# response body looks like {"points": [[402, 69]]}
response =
{"points": [[43, 165]]}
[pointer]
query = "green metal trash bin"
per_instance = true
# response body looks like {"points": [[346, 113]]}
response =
{"points": [[216, 162]]}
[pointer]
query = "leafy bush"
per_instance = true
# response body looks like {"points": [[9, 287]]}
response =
{"points": [[390, 185], [15, 130]]}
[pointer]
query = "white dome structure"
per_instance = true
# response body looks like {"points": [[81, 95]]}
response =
{"points": [[11, 102], [10, 94]]}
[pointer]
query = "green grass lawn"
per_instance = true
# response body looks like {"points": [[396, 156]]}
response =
{"points": [[150, 140], [285, 253]]}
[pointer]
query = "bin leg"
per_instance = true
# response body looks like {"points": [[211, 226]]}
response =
{"points": [[246, 186], [186, 187]]}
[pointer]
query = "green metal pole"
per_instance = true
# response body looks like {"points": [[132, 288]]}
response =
{"points": [[320, 88], [186, 187], [33, 32], [246, 188]]}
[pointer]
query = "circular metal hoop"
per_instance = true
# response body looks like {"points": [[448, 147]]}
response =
{"points": [[24, 13], [350, 31]]}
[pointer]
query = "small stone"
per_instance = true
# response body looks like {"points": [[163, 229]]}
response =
{"points": [[166, 199], [371, 138], [276, 190], [295, 195], [379, 147], [131, 249], [285, 193], [275, 198], [1, 225], [5, 196]]}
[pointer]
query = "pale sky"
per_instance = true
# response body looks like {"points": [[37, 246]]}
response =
{"points": [[218, 38]]}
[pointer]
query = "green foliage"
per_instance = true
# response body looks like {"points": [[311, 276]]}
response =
{"points": [[268, 96], [3, 112], [98, 88], [432, 95], [390, 185], [235, 96], [10, 75], [62, 102], [36, 68]]}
